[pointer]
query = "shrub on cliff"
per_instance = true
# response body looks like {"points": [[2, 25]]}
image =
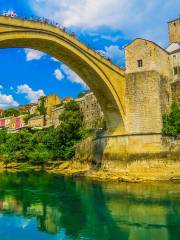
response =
{"points": [[40, 155], [171, 121], [62, 140]]}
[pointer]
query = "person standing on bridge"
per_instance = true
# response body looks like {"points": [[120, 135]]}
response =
{"points": [[13, 14], [46, 21], [40, 19], [64, 29], [4, 13]]}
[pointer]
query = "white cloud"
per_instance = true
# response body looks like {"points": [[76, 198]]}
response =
{"points": [[1, 87], [115, 53], [65, 72], [72, 76], [11, 88], [58, 74], [32, 54], [31, 95], [133, 17], [111, 38], [7, 101]]}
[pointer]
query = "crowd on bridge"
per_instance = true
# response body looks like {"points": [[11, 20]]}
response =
{"points": [[13, 14]]}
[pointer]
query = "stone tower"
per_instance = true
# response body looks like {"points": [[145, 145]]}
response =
{"points": [[174, 31], [174, 55], [147, 86]]}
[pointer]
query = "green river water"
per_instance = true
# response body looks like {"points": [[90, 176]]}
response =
{"points": [[40, 206]]}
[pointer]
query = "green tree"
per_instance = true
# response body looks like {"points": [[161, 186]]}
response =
{"points": [[53, 143], [58, 105], [20, 140], [171, 121], [10, 112], [71, 119], [18, 145], [62, 140], [3, 136], [5, 158], [39, 155], [41, 108]]}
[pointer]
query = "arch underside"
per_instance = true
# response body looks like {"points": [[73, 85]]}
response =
{"points": [[84, 65]]}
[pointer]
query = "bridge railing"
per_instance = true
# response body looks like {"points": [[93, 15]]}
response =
{"points": [[61, 27]]}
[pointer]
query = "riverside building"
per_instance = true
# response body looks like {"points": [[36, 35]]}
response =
{"points": [[91, 110], [152, 80]]}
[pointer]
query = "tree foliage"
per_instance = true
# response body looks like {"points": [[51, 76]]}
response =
{"points": [[10, 112], [82, 94], [50, 144], [171, 121], [62, 140], [41, 108]]}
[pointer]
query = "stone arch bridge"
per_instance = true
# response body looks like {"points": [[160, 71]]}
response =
{"points": [[105, 79]]}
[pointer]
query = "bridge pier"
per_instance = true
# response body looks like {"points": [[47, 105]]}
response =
{"points": [[117, 152], [133, 157]]}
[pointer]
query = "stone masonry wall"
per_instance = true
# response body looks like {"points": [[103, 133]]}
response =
{"points": [[91, 110], [174, 31], [153, 57], [165, 94], [175, 87], [143, 109], [51, 101]]}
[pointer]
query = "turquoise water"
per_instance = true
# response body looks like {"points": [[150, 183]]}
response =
{"points": [[38, 206]]}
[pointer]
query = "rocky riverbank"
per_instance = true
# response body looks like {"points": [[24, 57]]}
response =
{"points": [[137, 171]]}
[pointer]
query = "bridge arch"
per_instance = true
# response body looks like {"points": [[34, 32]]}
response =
{"points": [[106, 80]]}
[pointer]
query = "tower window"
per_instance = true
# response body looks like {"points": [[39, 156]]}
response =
{"points": [[175, 70], [140, 63]]}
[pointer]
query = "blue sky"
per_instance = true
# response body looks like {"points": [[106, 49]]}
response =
{"points": [[106, 25]]}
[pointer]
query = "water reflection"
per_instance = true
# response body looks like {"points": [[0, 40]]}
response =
{"points": [[42, 206]]}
